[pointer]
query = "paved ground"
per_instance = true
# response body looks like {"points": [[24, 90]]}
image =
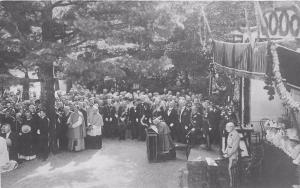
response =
{"points": [[119, 164]]}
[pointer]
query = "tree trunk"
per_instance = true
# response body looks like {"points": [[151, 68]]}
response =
{"points": [[26, 85], [186, 80], [48, 100], [46, 74]]}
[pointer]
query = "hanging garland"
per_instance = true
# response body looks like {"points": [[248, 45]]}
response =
{"points": [[280, 88], [269, 80]]}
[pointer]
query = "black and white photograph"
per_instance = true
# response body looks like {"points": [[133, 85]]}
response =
{"points": [[149, 94]]}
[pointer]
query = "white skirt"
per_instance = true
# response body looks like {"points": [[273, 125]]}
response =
{"points": [[94, 131]]}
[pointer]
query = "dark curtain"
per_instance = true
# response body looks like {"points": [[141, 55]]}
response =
{"points": [[289, 65]]}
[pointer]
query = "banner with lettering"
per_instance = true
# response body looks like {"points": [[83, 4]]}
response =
{"points": [[282, 21]]}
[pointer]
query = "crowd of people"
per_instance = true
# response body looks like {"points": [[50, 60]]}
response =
{"points": [[84, 117]]}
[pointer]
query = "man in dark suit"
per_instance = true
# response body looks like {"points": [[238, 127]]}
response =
{"points": [[110, 119], [43, 135], [184, 120], [34, 123], [133, 120], [63, 115], [122, 114], [140, 113], [172, 120], [101, 106], [11, 140], [147, 113]]}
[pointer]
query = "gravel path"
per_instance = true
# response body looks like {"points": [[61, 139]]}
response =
{"points": [[119, 164]]}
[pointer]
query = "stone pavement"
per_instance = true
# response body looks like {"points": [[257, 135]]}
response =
{"points": [[119, 164]]}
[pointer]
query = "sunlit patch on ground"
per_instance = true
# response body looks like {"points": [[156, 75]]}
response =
{"points": [[118, 164]]}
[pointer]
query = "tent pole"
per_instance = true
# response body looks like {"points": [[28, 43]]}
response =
{"points": [[243, 100]]}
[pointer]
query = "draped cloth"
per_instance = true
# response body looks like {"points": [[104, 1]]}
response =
{"points": [[229, 54], [165, 142], [241, 56], [259, 57], [219, 52], [76, 132]]}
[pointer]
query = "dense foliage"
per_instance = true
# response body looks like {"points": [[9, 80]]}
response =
{"points": [[157, 44]]}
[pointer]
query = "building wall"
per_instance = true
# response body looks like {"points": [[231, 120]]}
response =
{"points": [[295, 93], [260, 106], [34, 87]]}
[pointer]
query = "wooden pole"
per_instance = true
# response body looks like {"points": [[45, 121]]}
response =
{"points": [[258, 22], [206, 21], [243, 100], [248, 28], [261, 18], [200, 32]]}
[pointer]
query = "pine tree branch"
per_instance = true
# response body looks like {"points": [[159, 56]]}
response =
{"points": [[62, 4], [76, 44]]}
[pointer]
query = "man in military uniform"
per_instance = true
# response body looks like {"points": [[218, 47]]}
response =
{"points": [[232, 152]]}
